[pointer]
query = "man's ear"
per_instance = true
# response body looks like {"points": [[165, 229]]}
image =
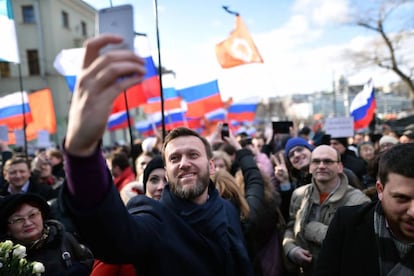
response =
{"points": [[380, 189], [211, 166]]}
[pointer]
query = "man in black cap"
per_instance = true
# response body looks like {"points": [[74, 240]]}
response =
{"points": [[348, 157]]}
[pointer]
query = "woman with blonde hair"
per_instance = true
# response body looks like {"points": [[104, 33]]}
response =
{"points": [[227, 186]]}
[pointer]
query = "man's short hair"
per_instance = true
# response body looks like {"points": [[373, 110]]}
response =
{"points": [[13, 161], [399, 160], [181, 132], [119, 159], [55, 153]]}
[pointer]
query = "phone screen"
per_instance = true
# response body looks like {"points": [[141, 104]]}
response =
{"points": [[282, 127], [117, 20], [225, 131]]}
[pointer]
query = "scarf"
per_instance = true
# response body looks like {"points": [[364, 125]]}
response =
{"points": [[395, 257], [211, 222]]}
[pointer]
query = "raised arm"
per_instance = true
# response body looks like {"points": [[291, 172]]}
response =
{"points": [[102, 78]]}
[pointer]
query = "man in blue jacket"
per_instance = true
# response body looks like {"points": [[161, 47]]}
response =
{"points": [[190, 231], [377, 238]]}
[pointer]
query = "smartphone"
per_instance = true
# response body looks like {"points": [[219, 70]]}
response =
{"points": [[282, 127], [225, 132], [117, 20]]}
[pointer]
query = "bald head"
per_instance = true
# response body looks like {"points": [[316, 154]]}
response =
{"points": [[326, 150], [325, 165]]}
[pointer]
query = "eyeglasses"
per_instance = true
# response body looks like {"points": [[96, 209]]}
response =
{"points": [[21, 220], [327, 162]]}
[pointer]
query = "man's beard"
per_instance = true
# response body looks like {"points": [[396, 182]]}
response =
{"points": [[192, 192]]}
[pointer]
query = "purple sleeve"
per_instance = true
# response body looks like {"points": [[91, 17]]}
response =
{"points": [[87, 179]]}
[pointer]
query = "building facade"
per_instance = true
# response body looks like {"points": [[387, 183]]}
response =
{"points": [[44, 28]]}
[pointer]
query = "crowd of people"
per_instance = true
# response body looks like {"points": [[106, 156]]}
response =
{"points": [[286, 204]]}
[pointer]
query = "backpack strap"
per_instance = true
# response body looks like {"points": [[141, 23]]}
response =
{"points": [[67, 258]]}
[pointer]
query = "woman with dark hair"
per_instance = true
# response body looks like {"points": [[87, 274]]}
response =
{"points": [[24, 220]]}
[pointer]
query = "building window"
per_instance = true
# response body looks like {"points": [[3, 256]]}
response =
{"points": [[28, 14], [4, 70], [65, 19], [84, 29], [33, 62]]}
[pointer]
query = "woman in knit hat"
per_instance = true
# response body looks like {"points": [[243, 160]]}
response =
{"points": [[154, 178]]}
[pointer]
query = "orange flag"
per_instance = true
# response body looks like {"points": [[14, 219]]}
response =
{"points": [[43, 115], [238, 48]]}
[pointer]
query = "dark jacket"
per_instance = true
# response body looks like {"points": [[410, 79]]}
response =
{"points": [[58, 171], [261, 225], [50, 248], [167, 237], [350, 246], [43, 190], [354, 163]]}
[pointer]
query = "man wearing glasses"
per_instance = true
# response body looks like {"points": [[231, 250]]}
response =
{"points": [[312, 207]]}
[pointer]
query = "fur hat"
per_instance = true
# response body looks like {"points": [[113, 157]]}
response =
{"points": [[155, 163], [10, 203], [296, 142], [388, 139]]}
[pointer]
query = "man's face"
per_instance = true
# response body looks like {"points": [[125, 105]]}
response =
{"points": [[397, 200], [300, 157], [18, 174], [188, 167], [324, 165], [338, 146]]}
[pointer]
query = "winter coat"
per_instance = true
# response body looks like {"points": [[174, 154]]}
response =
{"points": [[309, 220], [350, 247], [171, 236], [57, 244]]}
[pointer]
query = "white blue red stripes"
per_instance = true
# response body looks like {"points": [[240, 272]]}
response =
{"points": [[363, 106]]}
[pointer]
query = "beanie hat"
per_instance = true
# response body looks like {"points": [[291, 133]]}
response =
{"points": [[388, 139], [296, 142], [155, 163], [342, 140]]}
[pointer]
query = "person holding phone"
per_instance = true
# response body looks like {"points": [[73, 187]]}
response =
{"points": [[191, 230]]}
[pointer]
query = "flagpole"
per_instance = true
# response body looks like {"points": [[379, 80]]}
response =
{"points": [[160, 69], [23, 109], [226, 8]]}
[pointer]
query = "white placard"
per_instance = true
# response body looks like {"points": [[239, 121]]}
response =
{"points": [[4, 133], [340, 127], [19, 135], [43, 139]]}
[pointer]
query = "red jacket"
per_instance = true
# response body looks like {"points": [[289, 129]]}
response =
{"points": [[126, 177], [100, 268]]}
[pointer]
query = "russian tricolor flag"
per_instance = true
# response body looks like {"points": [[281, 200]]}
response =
{"points": [[363, 106], [244, 110], [12, 109], [145, 127], [69, 63], [171, 101], [201, 98], [118, 120], [9, 51]]}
